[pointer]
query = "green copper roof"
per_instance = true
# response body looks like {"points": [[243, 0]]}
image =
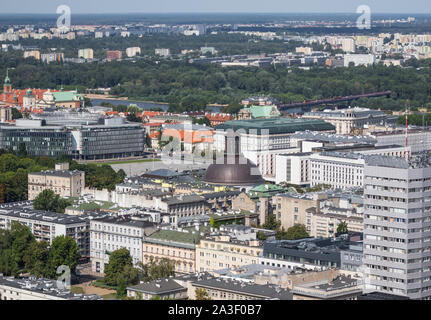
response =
{"points": [[267, 188], [264, 111], [264, 191], [65, 96], [278, 125], [180, 237]]}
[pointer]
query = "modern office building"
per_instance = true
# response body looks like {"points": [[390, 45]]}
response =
{"points": [[397, 226], [113, 139]]}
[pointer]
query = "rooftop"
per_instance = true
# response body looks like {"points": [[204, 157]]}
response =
{"points": [[158, 287], [422, 160], [44, 286], [24, 210], [58, 173], [277, 125], [263, 292], [126, 220]]}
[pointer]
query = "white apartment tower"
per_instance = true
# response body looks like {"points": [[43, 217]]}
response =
{"points": [[397, 226]]}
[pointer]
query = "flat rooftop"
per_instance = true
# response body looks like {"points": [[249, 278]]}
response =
{"points": [[277, 125]]}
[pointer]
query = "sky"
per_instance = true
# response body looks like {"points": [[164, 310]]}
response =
{"points": [[236, 6]]}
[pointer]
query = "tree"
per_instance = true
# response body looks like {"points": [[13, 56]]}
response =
{"points": [[63, 251], [121, 286], [118, 261], [22, 150], [36, 258], [298, 231], [8, 265], [202, 294], [16, 114], [271, 223], [22, 238], [261, 236], [131, 117], [156, 270], [342, 227], [47, 200]]}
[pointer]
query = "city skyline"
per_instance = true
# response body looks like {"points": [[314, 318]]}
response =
{"points": [[222, 6]]}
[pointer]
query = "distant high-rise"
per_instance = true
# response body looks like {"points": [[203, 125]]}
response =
{"points": [[397, 226], [113, 55], [86, 54]]}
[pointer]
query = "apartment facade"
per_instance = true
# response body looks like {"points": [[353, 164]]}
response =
{"points": [[325, 222], [63, 182], [112, 233], [292, 209], [340, 170], [177, 246], [219, 252], [397, 226], [47, 225]]}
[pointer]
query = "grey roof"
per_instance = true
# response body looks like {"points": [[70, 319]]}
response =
{"points": [[126, 220], [220, 194], [24, 210], [249, 271], [184, 199], [158, 287], [324, 249], [44, 286], [165, 173], [416, 161], [58, 173], [327, 289], [264, 292], [278, 125], [332, 137]]}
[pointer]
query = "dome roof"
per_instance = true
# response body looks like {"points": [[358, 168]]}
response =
{"points": [[242, 172]]}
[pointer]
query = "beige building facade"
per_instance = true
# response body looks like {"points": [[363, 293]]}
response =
{"points": [[63, 182], [219, 252]]}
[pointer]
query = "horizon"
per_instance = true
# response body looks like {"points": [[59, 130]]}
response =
{"points": [[218, 7]]}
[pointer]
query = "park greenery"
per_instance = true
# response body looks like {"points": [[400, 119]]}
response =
{"points": [[21, 253]]}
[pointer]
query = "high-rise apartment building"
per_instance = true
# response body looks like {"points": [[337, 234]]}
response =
{"points": [[86, 53], [397, 226]]}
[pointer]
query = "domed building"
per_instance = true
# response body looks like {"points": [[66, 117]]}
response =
{"points": [[235, 170]]}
